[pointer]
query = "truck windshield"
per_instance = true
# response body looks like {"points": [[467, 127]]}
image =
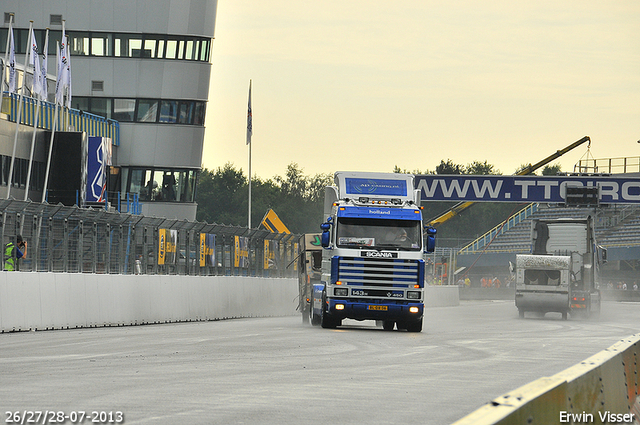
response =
{"points": [[379, 233]]}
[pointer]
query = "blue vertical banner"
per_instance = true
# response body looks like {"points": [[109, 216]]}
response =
{"points": [[98, 161]]}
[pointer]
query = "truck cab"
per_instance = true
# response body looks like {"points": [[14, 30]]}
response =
{"points": [[373, 257]]}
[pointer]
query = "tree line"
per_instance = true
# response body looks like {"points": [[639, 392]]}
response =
{"points": [[222, 196]]}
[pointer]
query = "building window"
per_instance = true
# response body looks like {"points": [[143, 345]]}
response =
{"points": [[101, 44], [168, 111], [160, 184], [20, 171], [147, 111], [100, 106], [98, 43], [124, 109], [188, 112], [180, 49], [198, 116], [160, 49], [80, 103], [150, 47], [172, 48], [79, 42], [185, 114]]}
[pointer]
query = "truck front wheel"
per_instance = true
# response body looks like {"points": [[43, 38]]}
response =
{"points": [[388, 325], [326, 321]]}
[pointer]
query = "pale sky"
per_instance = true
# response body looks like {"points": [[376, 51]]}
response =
{"points": [[365, 85]]}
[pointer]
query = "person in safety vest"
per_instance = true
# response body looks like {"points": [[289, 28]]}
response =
{"points": [[13, 252]]}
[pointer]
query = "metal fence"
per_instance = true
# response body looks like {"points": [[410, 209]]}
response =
{"points": [[84, 240], [68, 119]]}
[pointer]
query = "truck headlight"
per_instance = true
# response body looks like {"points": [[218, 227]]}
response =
{"points": [[413, 295], [414, 309], [341, 292]]}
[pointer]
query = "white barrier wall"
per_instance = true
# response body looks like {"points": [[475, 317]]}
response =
{"points": [[441, 296], [35, 301]]}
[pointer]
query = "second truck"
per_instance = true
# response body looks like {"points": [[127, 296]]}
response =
{"points": [[373, 253], [562, 272]]}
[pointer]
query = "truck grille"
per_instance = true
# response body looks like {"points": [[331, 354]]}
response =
{"points": [[378, 271]]}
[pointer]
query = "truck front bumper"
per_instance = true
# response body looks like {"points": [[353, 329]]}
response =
{"points": [[362, 310]]}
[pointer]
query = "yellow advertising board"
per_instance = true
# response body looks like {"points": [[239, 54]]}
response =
{"points": [[168, 240], [241, 252], [272, 223], [207, 249]]}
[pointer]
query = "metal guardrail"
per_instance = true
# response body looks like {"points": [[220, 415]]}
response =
{"points": [[68, 119], [512, 221], [609, 165], [85, 240]]}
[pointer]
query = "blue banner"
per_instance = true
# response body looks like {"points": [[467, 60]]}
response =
{"points": [[379, 187], [613, 190], [98, 158]]}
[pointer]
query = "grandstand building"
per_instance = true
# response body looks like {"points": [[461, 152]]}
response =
{"points": [[141, 68]]}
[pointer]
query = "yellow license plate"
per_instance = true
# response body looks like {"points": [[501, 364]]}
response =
{"points": [[377, 307]]}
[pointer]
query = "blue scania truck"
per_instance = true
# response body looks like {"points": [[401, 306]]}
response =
{"points": [[374, 245]]}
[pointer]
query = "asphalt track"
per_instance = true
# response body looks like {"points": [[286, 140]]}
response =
{"points": [[280, 371]]}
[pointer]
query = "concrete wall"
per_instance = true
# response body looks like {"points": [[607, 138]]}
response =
{"points": [[35, 301], [441, 296]]}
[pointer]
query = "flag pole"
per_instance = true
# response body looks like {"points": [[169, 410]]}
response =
{"points": [[55, 123], [20, 99], [249, 223], [249, 134], [36, 92], [6, 57]]}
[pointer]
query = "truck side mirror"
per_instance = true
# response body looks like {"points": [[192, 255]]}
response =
{"points": [[326, 235], [430, 239], [603, 254]]}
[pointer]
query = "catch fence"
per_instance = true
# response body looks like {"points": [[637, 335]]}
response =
{"points": [[69, 239]]}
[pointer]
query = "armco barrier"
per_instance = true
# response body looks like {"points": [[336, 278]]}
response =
{"points": [[35, 301], [600, 390]]}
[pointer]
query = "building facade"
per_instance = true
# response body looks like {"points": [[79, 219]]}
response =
{"points": [[145, 64]]}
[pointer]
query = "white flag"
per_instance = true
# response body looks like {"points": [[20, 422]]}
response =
{"points": [[68, 78], [12, 63], [43, 74], [63, 70], [249, 118], [34, 59]]}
